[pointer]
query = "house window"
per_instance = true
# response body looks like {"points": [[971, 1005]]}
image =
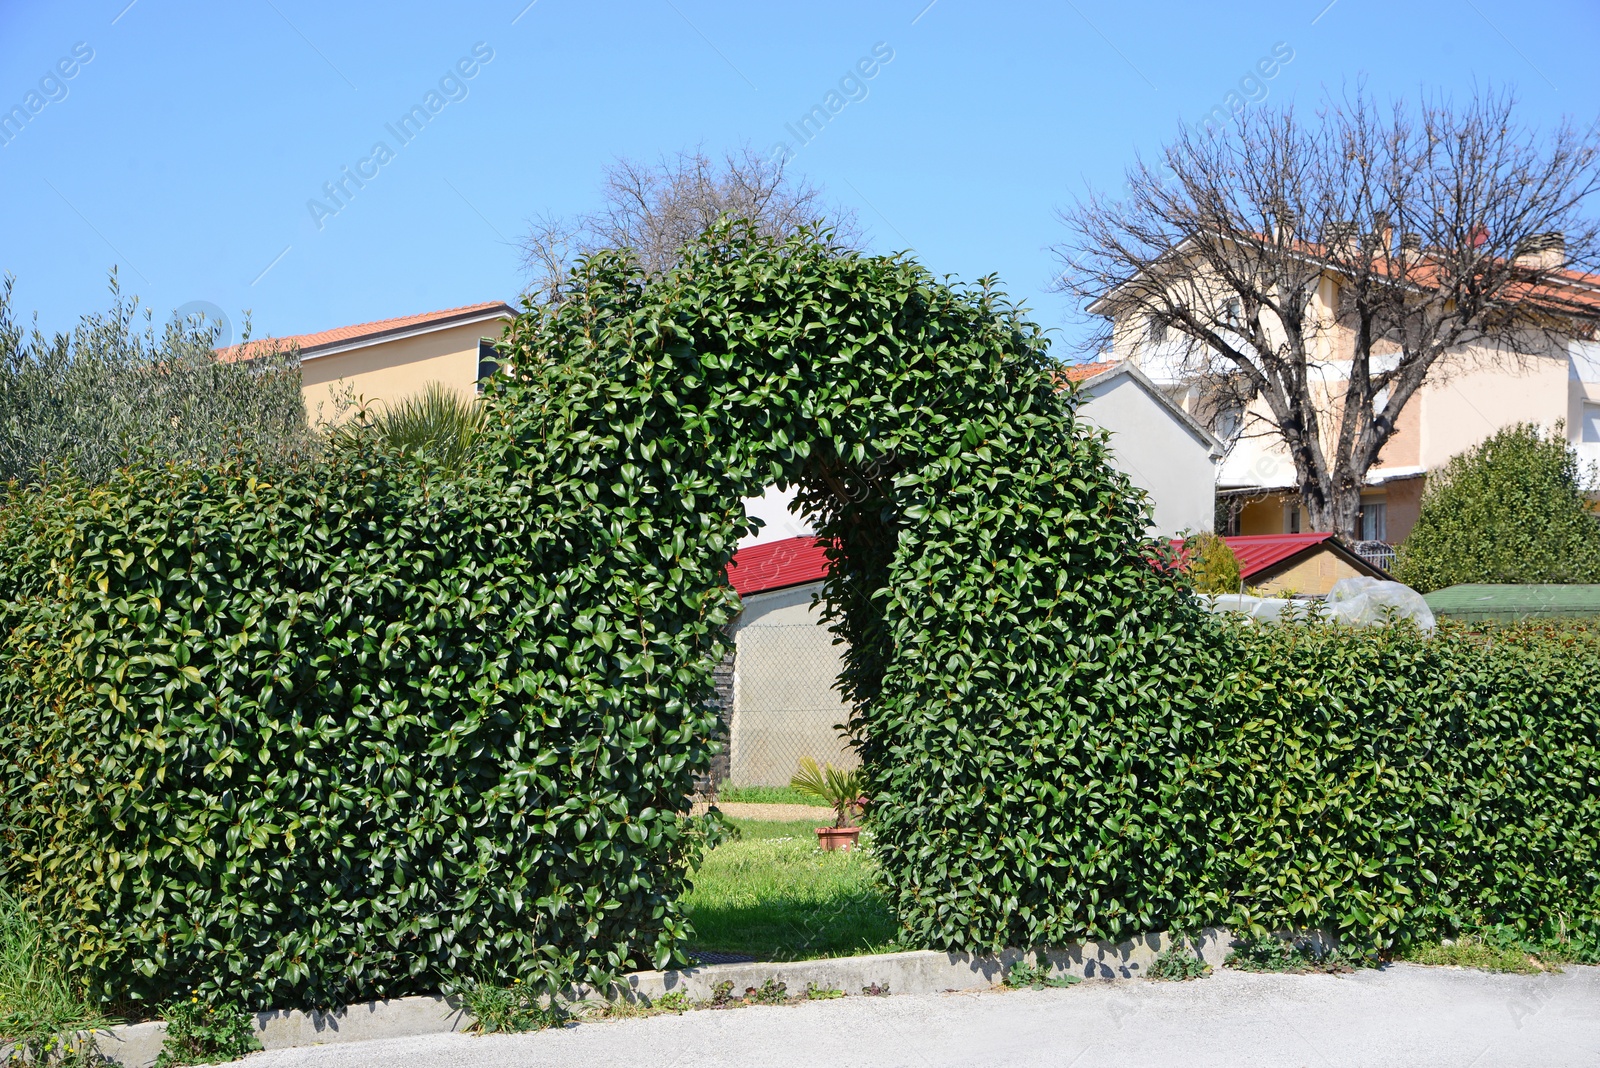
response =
{"points": [[1374, 525], [1591, 422], [1155, 330], [1291, 518], [488, 361], [1233, 312], [1228, 421]]}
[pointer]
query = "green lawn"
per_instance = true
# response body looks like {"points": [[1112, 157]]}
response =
{"points": [[764, 795], [773, 895]]}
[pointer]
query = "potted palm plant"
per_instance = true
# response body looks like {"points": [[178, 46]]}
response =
{"points": [[840, 791]]}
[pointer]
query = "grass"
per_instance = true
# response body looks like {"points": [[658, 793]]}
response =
{"points": [[37, 1003], [1469, 952], [765, 795], [1502, 949], [773, 895]]}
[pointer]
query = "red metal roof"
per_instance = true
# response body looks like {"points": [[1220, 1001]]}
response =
{"points": [[778, 564], [308, 344], [1258, 552]]}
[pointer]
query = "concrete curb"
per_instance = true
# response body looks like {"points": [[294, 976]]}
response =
{"points": [[913, 972], [137, 1045]]}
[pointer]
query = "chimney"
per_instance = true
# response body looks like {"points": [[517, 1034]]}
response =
{"points": [[1410, 247], [1285, 220], [1543, 252], [1382, 233], [1340, 237]]}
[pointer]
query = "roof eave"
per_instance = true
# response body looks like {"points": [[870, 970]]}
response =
{"points": [[335, 348]]}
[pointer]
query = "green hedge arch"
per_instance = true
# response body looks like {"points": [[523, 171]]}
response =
{"points": [[369, 729], [990, 574]]}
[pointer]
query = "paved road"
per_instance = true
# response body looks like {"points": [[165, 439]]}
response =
{"points": [[1404, 1015]]}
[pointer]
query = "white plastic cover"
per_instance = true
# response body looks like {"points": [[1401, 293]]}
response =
{"points": [[1363, 602], [1372, 602]]}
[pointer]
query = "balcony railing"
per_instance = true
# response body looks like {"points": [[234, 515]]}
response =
{"points": [[1380, 554]]}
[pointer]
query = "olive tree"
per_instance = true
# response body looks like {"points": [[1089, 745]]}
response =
{"points": [[118, 388]]}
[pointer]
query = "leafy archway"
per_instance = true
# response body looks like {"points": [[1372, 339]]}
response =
{"points": [[989, 570]]}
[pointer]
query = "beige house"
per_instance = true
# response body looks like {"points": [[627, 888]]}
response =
{"points": [[392, 359], [1471, 394]]}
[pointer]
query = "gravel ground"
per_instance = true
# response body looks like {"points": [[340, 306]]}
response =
{"points": [[740, 811], [1403, 1015]]}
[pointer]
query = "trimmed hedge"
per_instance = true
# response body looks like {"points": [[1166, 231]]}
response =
{"points": [[1373, 782], [341, 737], [370, 729], [1399, 788]]}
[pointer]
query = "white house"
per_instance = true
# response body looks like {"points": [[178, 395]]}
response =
{"points": [[1163, 449]]}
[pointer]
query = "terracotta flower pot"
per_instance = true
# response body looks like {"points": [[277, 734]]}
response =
{"points": [[831, 838]]}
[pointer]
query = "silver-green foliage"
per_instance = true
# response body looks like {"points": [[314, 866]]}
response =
{"points": [[1511, 509], [115, 390]]}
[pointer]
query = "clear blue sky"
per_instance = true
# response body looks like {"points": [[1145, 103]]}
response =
{"points": [[187, 148]]}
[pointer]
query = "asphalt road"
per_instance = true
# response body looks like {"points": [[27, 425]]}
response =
{"points": [[1402, 1015]]}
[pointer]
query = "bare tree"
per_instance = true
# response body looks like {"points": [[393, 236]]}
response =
{"points": [[656, 209], [1313, 275]]}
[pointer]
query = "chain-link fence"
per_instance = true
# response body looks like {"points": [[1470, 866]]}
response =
{"points": [[783, 704]]}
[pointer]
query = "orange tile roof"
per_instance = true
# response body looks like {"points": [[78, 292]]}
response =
{"points": [[309, 344], [1079, 372]]}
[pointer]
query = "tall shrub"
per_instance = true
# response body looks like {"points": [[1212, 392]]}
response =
{"points": [[1511, 509], [1211, 565]]}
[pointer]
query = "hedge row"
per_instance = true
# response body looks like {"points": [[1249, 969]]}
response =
{"points": [[1376, 783], [339, 736]]}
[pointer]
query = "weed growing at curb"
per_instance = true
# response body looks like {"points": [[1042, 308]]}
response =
{"points": [[510, 1009], [770, 992], [822, 993], [1269, 953], [40, 1009], [876, 990], [1037, 977], [1180, 962], [198, 1033]]}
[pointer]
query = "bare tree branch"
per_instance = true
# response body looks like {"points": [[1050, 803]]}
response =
{"points": [[656, 209], [1307, 278]]}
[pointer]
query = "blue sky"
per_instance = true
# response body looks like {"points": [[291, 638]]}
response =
{"points": [[189, 148]]}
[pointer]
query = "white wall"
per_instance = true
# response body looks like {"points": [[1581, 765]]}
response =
{"points": [[1156, 451], [772, 508], [1583, 407]]}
